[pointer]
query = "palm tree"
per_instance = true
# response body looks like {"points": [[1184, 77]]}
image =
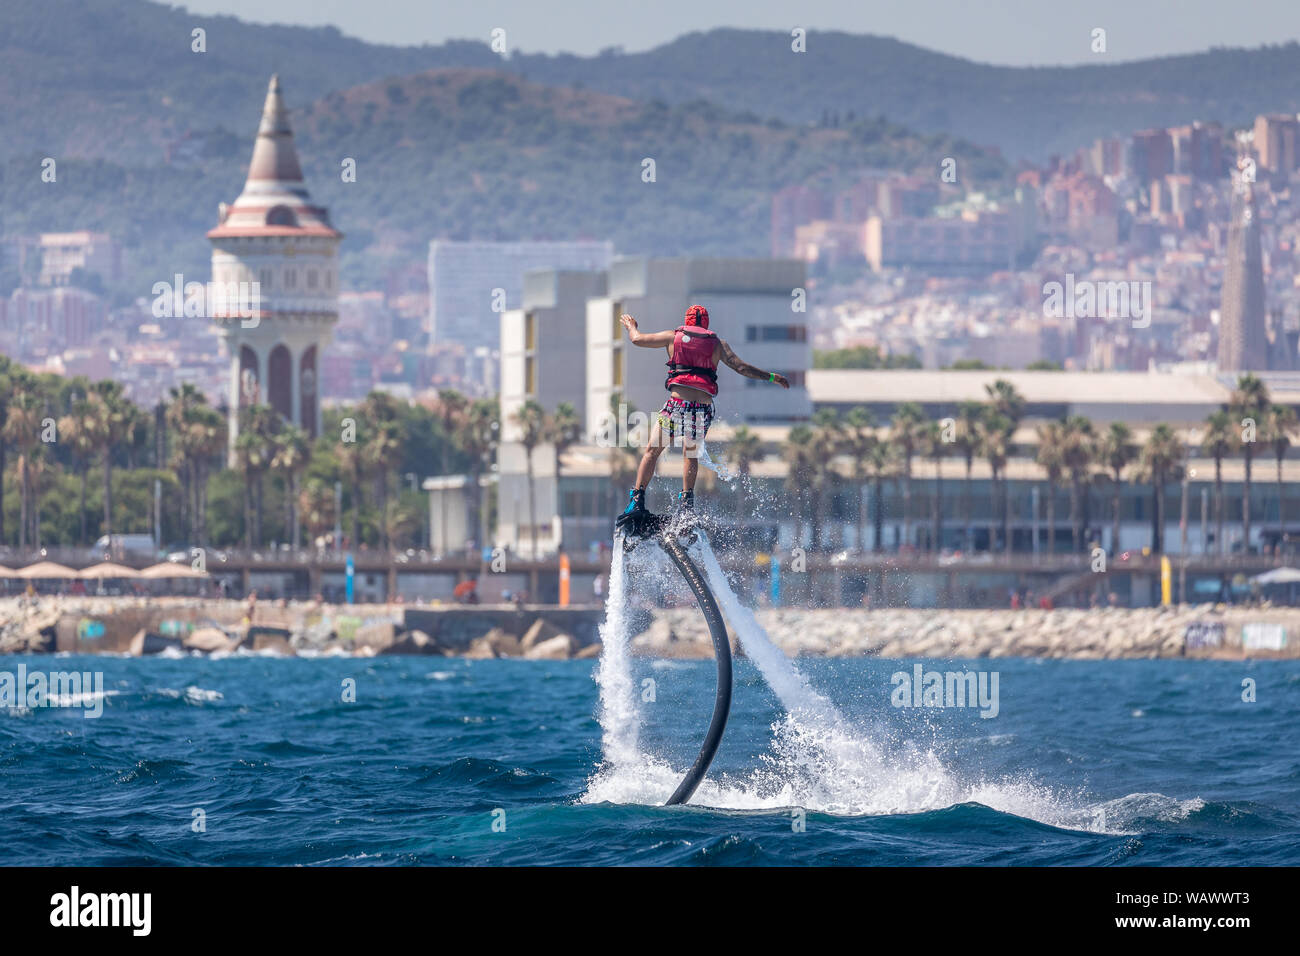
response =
{"points": [[1249, 402], [199, 437], [113, 420], [530, 419], [936, 448], [1115, 451], [1006, 401], [478, 438], [316, 506], [1281, 424], [177, 415], [352, 462], [22, 431], [381, 453], [253, 452], [859, 436], [77, 432], [206, 442], [880, 463], [905, 431], [799, 455], [1077, 456], [1218, 441], [38, 464], [743, 450], [6, 389], [1051, 458], [290, 455], [827, 441], [564, 431], [996, 445], [970, 422], [1161, 462]]}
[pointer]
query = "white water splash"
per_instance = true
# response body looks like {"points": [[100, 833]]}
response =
{"points": [[718, 468], [620, 719], [817, 760]]}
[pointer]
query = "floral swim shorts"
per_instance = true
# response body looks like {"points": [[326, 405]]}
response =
{"points": [[680, 420]]}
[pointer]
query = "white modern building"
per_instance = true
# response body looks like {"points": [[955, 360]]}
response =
{"points": [[544, 343], [543, 358], [273, 236]]}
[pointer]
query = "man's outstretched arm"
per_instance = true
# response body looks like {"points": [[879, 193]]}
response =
{"points": [[647, 340], [732, 360]]}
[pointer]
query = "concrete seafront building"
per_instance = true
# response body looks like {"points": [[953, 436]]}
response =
{"points": [[472, 283], [274, 236]]}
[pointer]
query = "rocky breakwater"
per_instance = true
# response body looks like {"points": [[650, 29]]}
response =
{"points": [[512, 633], [1101, 633]]}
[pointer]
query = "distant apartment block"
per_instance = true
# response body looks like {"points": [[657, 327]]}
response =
{"points": [[1275, 142], [1198, 150], [1106, 157], [464, 304], [980, 242], [811, 224], [793, 207], [1151, 154], [64, 252], [42, 322], [830, 243], [1083, 206]]}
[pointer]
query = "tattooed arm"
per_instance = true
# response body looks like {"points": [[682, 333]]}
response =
{"points": [[647, 340], [732, 360]]}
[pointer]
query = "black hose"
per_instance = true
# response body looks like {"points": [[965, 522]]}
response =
{"points": [[722, 651]]}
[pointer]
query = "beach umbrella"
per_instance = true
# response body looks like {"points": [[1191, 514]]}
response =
{"points": [[1278, 576], [108, 570], [169, 569], [46, 569]]}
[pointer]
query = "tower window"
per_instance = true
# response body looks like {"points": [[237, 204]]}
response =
{"points": [[281, 216], [311, 278], [290, 278]]}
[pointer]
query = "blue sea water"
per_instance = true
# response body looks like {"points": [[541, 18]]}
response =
{"points": [[449, 761]]}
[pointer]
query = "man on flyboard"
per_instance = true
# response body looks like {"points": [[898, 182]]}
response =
{"points": [[694, 354]]}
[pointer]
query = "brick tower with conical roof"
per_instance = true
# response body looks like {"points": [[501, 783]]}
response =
{"points": [[274, 236]]}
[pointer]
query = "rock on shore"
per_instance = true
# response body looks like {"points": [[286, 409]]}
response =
{"points": [[136, 626]]}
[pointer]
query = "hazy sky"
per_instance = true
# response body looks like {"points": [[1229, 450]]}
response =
{"points": [[1017, 32]]}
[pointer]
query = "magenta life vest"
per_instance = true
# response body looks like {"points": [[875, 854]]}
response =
{"points": [[692, 362]]}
